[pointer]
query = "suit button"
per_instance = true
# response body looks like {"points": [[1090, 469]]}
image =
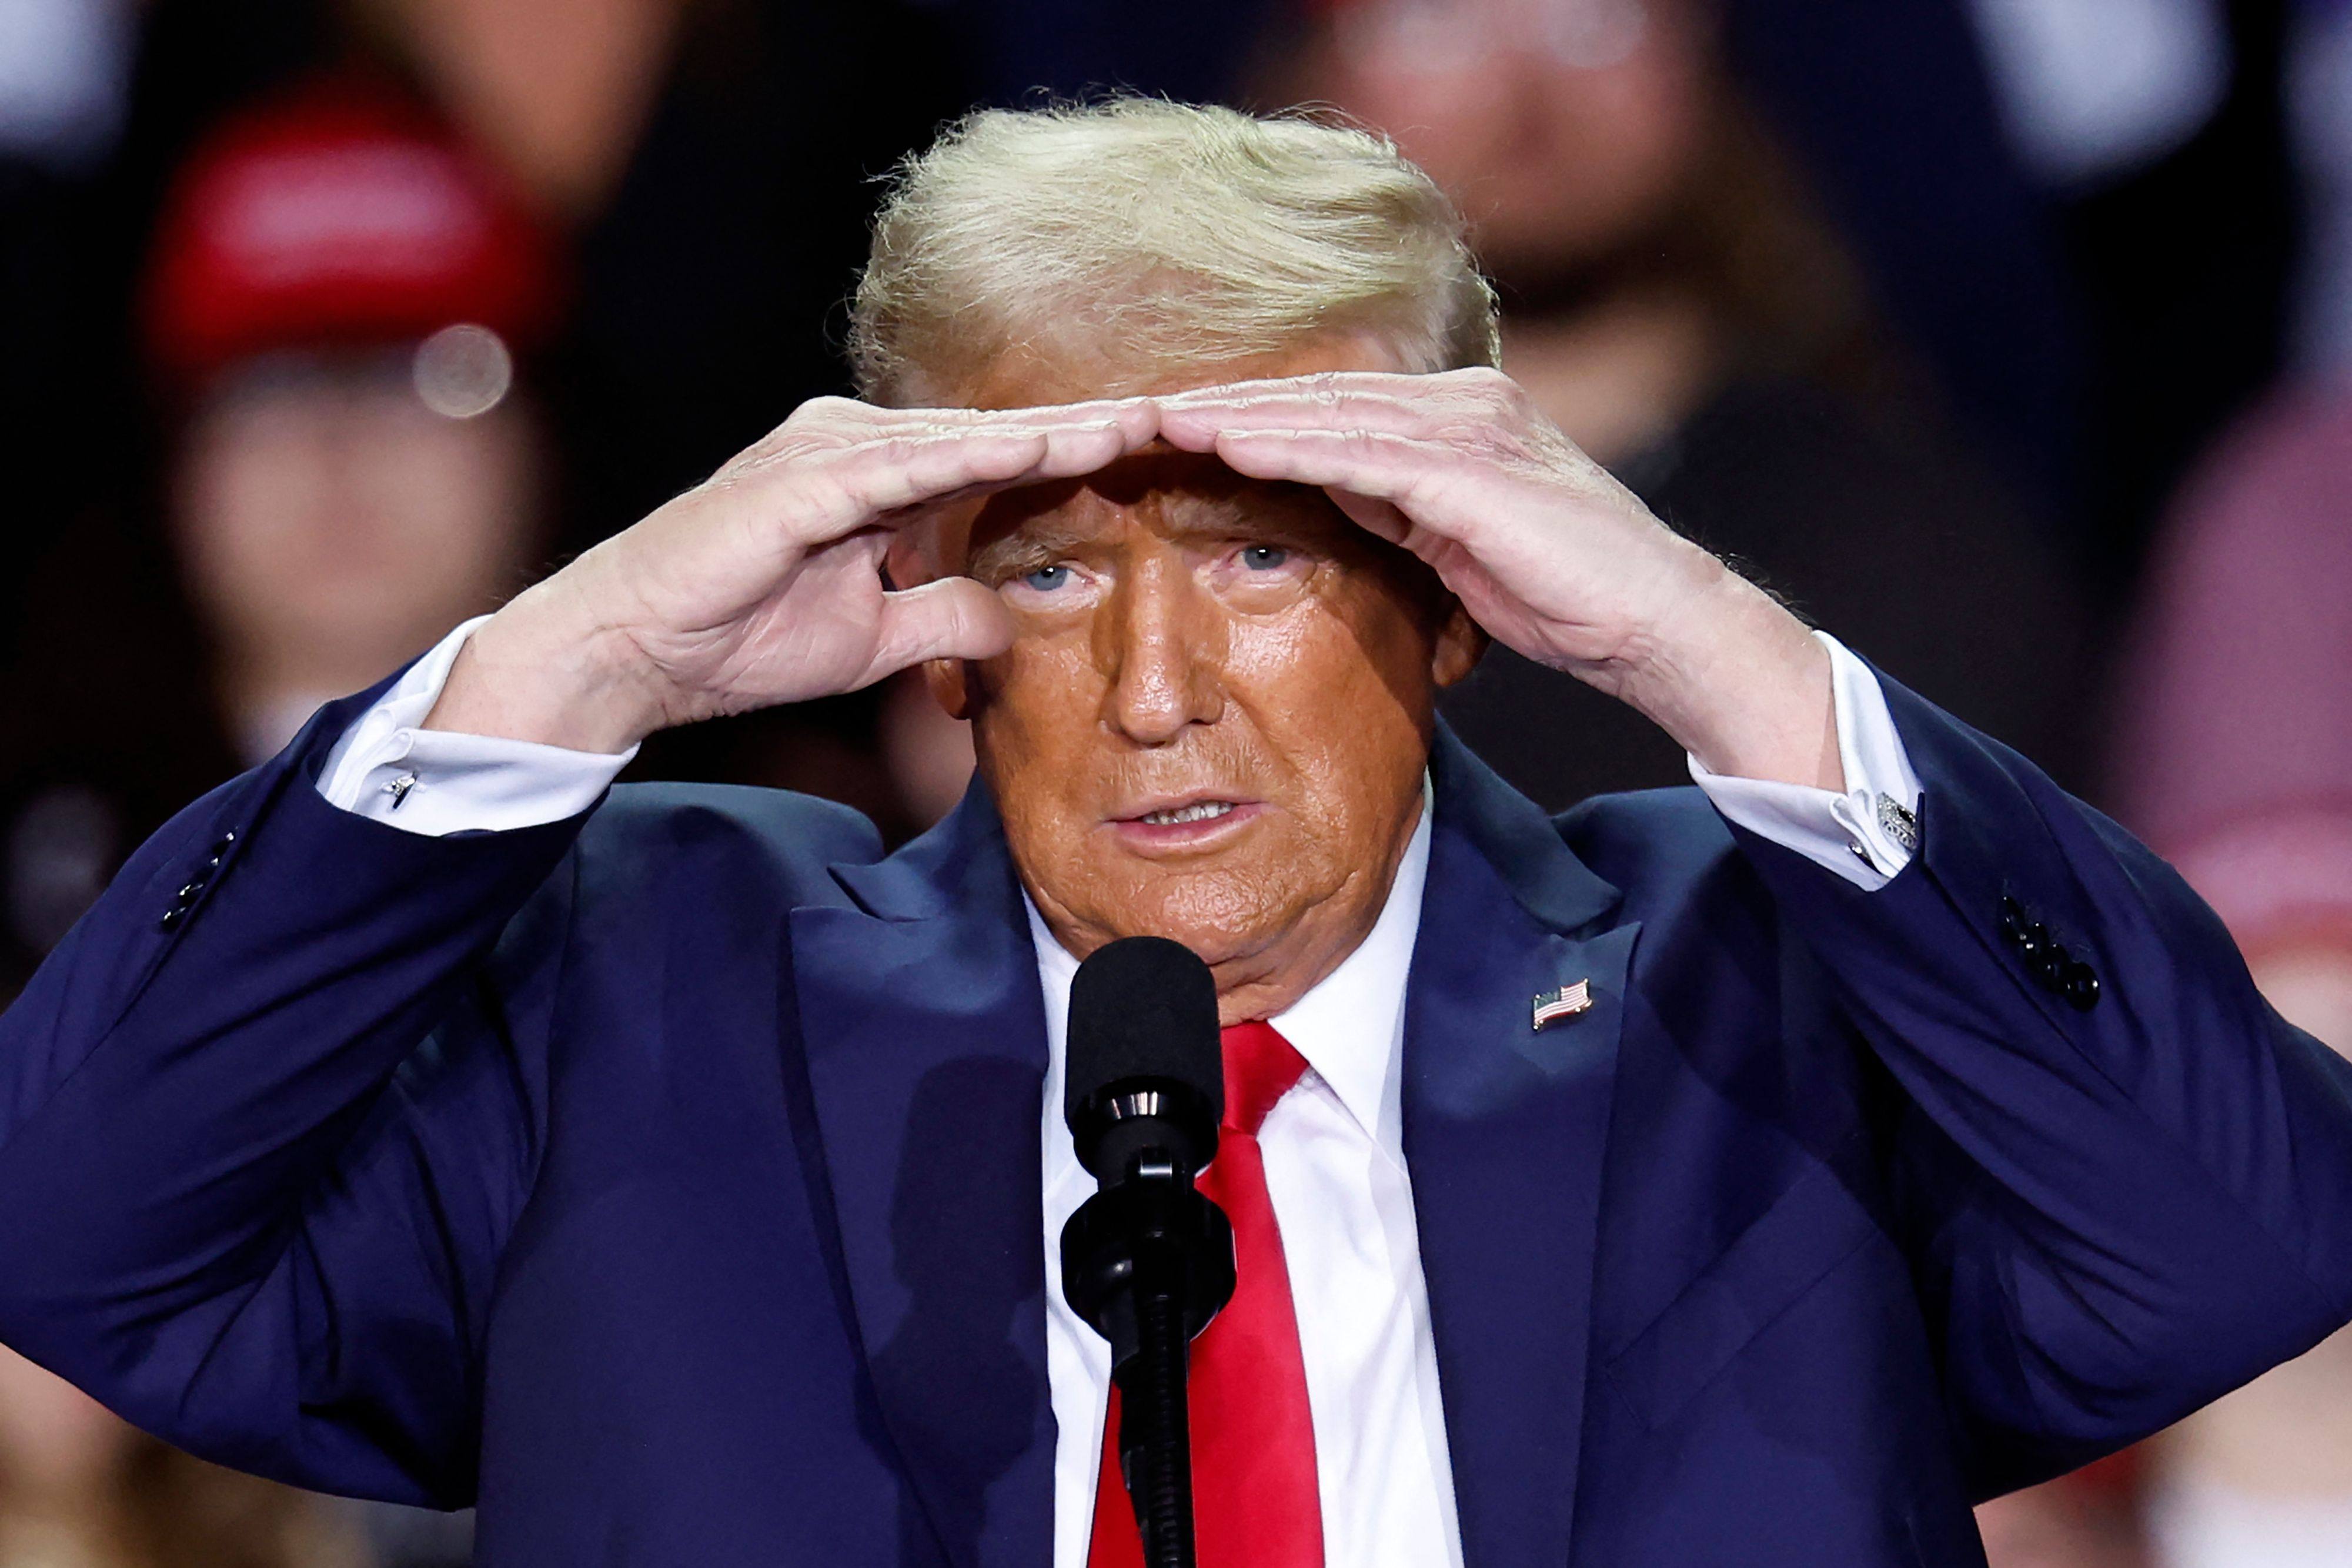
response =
{"points": [[221, 845], [2081, 987], [187, 894], [2050, 970], [172, 916], [2012, 920]]}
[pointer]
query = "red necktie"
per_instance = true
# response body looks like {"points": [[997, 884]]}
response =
{"points": [[1254, 1503]]}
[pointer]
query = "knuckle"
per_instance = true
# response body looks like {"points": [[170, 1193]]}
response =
{"points": [[1495, 389], [820, 413]]}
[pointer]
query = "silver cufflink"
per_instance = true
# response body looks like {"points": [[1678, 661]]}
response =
{"points": [[1898, 823]]}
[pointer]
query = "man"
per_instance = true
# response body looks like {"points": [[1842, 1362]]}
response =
{"points": [[1758, 1193]]}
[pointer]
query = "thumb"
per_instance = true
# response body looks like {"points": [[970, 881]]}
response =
{"points": [[954, 618]]}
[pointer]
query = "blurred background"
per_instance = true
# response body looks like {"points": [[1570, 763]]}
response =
{"points": [[2010, 339]]}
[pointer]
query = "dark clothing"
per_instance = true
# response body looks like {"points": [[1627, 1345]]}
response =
{"points": [[1904, 552], [670, 1175]]}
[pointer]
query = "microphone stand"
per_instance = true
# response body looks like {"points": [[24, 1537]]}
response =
{"points": [[1149, 1261]]}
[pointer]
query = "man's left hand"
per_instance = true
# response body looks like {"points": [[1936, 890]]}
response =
{"points": [[1548, 552]]}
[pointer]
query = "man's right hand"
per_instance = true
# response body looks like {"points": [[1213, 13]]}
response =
{"points": [[763, 585]]}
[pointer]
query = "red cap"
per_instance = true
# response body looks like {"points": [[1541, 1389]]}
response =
{"points": [[341, 214]]}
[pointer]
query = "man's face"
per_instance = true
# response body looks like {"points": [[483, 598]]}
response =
{"points": [[1213, 720]]}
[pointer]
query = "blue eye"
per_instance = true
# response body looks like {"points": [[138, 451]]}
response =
{"points": [[1265, 558], [1046, 579]]}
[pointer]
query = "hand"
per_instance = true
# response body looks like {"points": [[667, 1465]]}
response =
{"points": [[763, 584], [1546, 551]]}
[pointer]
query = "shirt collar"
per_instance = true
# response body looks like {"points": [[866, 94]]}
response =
{"points": [[1350, 1027]]}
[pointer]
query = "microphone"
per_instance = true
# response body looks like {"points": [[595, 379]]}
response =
{"points": [[1147, 1260]]}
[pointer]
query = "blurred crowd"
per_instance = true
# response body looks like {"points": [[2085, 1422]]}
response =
{"points": [[2010, 339]]}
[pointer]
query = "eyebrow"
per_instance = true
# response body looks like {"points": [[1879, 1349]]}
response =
{"points": [[1034, 545]]}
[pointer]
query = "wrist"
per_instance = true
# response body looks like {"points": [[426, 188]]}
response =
{"points": [[541, 671], [1740, 682]]}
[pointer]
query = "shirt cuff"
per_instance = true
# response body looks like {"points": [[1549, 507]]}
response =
{"points": [[437, 782], [1866, 835]]}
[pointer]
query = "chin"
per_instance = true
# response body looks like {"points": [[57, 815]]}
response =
{"points": [[1220, 914]]}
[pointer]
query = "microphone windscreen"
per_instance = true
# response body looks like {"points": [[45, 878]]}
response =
{"points": [[1144, 1007]]}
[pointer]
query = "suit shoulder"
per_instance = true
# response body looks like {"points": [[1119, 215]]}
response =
{"points": [[798, 834], [1648, 841]]}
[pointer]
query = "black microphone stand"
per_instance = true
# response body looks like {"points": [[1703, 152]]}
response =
{"points": [[1149, 1261]]}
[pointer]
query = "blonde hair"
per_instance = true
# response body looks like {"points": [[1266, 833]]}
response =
{"points": [[1146, 233]]}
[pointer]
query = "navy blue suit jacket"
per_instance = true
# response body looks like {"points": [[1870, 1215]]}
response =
{"points": [[703, 1225]]}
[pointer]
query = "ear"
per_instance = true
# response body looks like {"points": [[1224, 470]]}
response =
{"points": [[1461, 643]]}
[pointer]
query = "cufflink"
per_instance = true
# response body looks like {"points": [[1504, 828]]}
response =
{"points": [[399, 787], [1898, 823]]}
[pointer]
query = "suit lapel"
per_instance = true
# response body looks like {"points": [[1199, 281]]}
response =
{"points": [[1504, 1127], [924, 1034]]}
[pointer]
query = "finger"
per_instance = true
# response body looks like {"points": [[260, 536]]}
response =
{"points": [[1322, 385], [870, 418], [1083, 447], [1376, 465], [953, 617], [894, 479], [1198, 430], [838, 493], [885, 475]]}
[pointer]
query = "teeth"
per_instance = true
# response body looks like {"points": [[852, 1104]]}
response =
{"points": [[1199, 813]]}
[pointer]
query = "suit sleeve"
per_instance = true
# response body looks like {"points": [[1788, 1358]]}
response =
{"points": [[2126, 1186], [265, 1118]]}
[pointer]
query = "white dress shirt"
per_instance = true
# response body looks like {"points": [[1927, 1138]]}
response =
{"points": [[1334, 1153], [1333, 1147]]}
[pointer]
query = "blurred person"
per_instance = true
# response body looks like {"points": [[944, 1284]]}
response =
{"points": [[1671, 300], [1964, 261], [2089, 1518], [338, 294], [2157, 134], [2319, 104], [80, 1488], [709, 164], [2235, 755], [65, 67], [336, 297], [679, 1173]]}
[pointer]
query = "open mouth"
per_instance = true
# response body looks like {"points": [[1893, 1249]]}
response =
{"points": [[1199, 811], [1181, 826]]}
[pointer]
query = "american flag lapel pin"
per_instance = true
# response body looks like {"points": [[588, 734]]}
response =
{"points": [[1550, 1006]]}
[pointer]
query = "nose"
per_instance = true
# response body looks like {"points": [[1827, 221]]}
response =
{"points": [[1159, 647]]}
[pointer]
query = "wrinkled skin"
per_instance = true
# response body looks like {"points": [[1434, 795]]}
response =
{"points": [[1237, 587], [1183, 633]]}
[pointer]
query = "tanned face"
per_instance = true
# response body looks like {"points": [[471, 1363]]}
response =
{"points": [[1213, 720]]}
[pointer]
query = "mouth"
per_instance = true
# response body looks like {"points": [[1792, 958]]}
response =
{"points": [[1190, 822], [1199, 811]]}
